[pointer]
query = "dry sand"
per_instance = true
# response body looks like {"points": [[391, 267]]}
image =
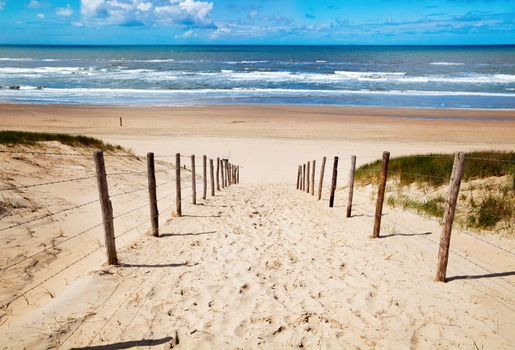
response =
{"points": [[269, 141], [260, 265]]}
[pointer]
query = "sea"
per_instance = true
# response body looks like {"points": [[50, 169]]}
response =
{"points": [[404, 76]]}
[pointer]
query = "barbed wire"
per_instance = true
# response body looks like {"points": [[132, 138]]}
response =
{"points": [[19, 295], [438, 244], [492, 159], [71, 154], [49, 215], [77, 179], [52, 247], [127, 192]]}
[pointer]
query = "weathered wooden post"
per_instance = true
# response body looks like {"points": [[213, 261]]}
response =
{"points": [[308, 171], [333, 182], [299, 174], [303, 177], [178, 195], [222, 172], [121, 121], [226, 173], [380, 194], [218, 174], [450, 209], [238, 175], [152, 195], [313, 178], [107, 208], [321, 181], [351, 185], [193, 180], [204, 162], [212, 170], [229, 179]]}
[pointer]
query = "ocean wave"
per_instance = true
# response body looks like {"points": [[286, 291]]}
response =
{"points": [[16, 59], [248, 91], [446, 63], [251, 75]]}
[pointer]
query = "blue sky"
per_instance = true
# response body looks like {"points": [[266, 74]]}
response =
{"points": [[257, 22]]}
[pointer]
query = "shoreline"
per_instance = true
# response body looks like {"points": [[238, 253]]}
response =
{"points": [[92, 105], [343, 108]]}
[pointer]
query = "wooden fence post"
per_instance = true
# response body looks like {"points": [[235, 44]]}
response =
{"points": [[178, 195], [229, 179], [321, 181], [222, 173], [303, 177], [204, 163], [380, 194], [450, 209], [308, 171], [212, 168], [218, 174], [238, 175], [333, 182], [225, 173], [107, 208], [351, 185], [313, 178], [193, 180], [299, 171], [152, 195]]}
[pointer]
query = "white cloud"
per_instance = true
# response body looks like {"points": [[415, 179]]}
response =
{"points": [[189, 34], [2, 4], [187, 13], [35, 4], [77, 24], [64, 11], [40, 16]]}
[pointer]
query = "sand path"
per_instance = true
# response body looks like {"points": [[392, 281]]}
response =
{"points": [[266, 266]]}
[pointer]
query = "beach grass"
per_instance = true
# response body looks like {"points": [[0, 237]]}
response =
{"points": [[10, 137], [487, 202], [435, 169]]}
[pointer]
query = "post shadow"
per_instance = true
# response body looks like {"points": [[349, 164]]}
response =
{"points": [[187, 234], [475, 277], [128, 344]]}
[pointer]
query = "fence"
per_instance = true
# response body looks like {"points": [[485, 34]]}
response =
{"points": [[227, 174], [454, 181]]}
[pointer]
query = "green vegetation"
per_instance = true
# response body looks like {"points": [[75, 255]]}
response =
{"points": [[435, 169], [486, 201], [490, 211], [432, 207], [31, 138]]}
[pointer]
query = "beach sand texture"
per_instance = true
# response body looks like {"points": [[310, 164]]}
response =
{"points": [[260, 265]]}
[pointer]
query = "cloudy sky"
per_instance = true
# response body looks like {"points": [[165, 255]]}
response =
{"points": [[257, 21]]}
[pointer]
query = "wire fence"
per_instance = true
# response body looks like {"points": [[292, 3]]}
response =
{"points": [[142, 194], [490, 206]]}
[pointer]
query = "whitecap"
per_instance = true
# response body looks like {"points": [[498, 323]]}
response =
{"points": [[446, 63]]}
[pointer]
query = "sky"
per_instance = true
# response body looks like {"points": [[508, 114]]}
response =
{"points": [[156, 22]]}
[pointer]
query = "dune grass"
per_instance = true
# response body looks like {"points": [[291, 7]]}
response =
{"points": [[482, 206], [8, 137], [435, 169]]}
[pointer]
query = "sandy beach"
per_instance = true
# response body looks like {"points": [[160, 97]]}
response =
{"points": [[260, 265], [269, 141]]}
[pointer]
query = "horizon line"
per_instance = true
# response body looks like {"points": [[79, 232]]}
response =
{"points": [[271, 44]]}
